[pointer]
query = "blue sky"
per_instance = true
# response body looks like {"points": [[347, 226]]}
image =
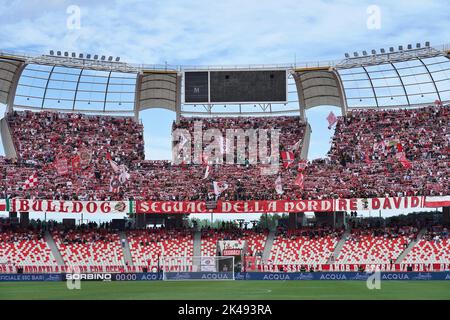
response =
{"points": [[220, 32]]}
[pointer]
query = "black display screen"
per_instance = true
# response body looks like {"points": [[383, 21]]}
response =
{"points": [[248, 86], [196, 87], [236, 86]]}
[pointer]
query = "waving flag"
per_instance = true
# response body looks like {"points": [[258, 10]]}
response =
{"points": [[297, 145], [299, 180], [208, 168], [402, 158], [302, 165], [31, 182], [62, 166], [114, 185], [279, 185], [379, 146], [367, 158], [219, 187], [287, 157], [331, 119], [76, 163]]}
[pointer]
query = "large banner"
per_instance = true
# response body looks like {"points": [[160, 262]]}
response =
{"points": [[231, 207], [63, 206], [436, 202], [328, 205]]}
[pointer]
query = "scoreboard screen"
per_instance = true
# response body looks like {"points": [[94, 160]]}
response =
{"points": [[196, 87], [236, 86]]}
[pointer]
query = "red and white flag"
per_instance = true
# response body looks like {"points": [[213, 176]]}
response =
{"points": [[379, 146], [331, 119], [287, 157], [279, 185], [114, 185], [302, 165], [76, 163], [62, 166], [367, 158], [219, 187], [31, 182], [297, 145], [402, 158], [299, 180]]}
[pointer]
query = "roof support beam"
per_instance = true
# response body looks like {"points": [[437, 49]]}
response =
{"points": [[371, 84], [76, 90], [106, 91], [432, 79], [401, 81], [46, 87]]}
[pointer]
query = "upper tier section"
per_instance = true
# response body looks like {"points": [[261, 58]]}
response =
{"points": [[373, 154], [42, 137]]}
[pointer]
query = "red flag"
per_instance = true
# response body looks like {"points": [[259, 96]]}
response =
{"points": [[76, 163], [108, 156], [367, 158], [287, 157], [31, 182], [399, 147], [302, 165], [61, 166], [114, 185], [331, 119], [299, 180], [402, 158]]}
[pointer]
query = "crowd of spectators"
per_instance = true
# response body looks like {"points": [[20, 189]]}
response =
{"points": [[362, 160], [436, 233]]}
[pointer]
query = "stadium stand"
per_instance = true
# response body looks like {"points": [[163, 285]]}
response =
{"points": [[90, 248], [434, 247], [291, 129], [375, 246], [307, 246], [362, 160], [26, 249], [254, 240], [148, 246]]}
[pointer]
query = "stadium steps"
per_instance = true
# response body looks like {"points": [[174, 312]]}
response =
{"points": [[197, 243], [51, 243], [268, 246], [410, 246], [126, 250], [338, 247]]}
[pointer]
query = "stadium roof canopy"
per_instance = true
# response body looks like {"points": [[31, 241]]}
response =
{"points": [[75, 89], [405, 78]]}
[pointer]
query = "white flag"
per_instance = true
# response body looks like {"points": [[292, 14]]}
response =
{"points": [[206, 172], [279, 185], [297, 145], [219, 187]]}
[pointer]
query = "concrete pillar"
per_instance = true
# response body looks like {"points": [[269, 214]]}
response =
{"points": [[24, 219], [292, 221], [140, 220], [446, 215]]}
